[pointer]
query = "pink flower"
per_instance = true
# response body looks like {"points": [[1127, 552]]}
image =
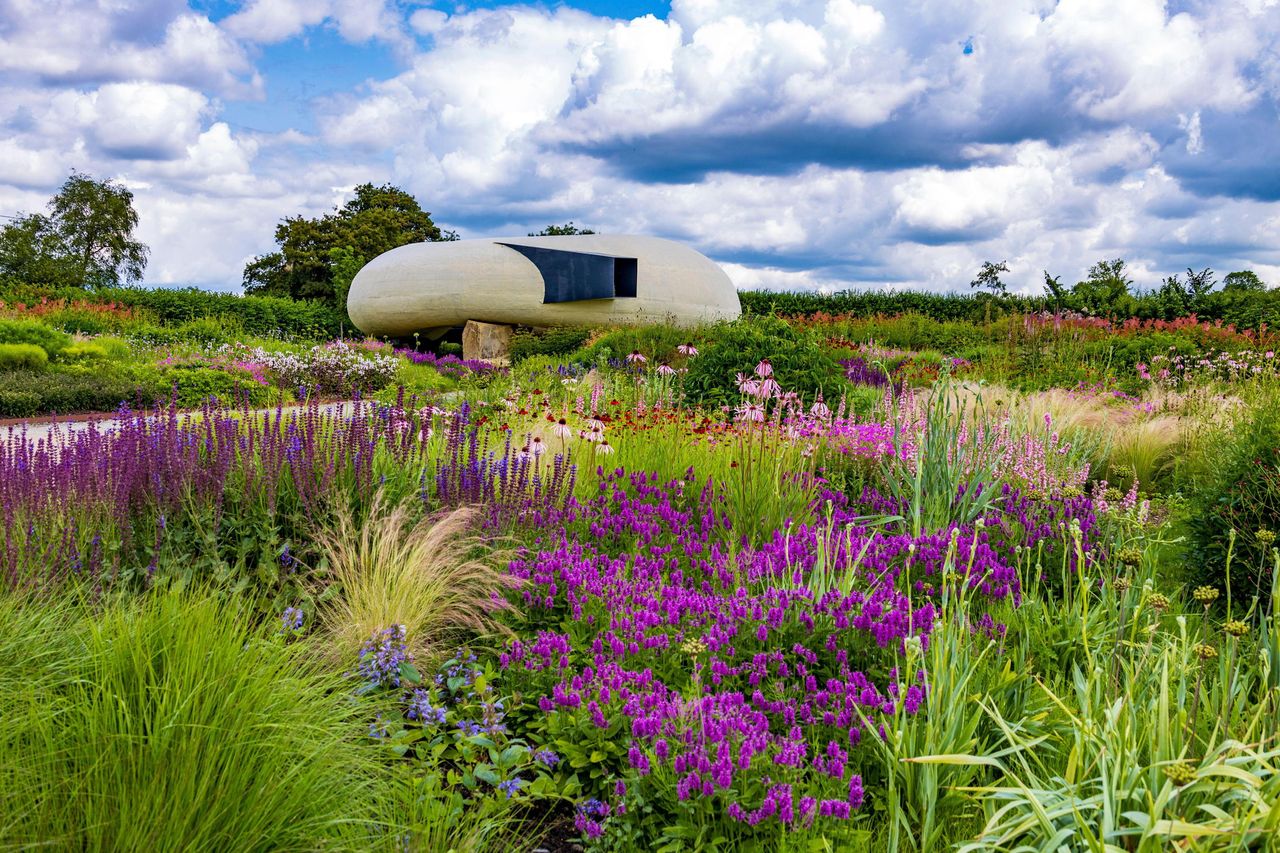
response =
{"points": [[764, 369], [562, 429], [687, 349], [665, 369], [634, 357]]}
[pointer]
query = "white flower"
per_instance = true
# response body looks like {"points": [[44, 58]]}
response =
{"points": [[604, 447]]}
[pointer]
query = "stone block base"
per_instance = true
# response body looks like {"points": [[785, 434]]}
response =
{"points": [[489, 342]]}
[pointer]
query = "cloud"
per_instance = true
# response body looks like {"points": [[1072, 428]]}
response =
{"points": [[803, 143], [64, 42], [357, 21]]}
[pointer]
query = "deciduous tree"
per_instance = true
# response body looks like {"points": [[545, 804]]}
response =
{"points": [[305, 265], [86, 240]]}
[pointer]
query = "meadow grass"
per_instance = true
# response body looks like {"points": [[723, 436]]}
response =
{"points": [[170, 723], [431, 575]]}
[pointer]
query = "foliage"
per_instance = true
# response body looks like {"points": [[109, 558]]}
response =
{"points": [[33, 332], [424, 575], [85, 241], [373, 221], [1105, 293], [566, 230], [171, 722], [1234, 502], [194, 384], [798, 364], [559, 340], [23, 357], [78, 388], [988, 278]]}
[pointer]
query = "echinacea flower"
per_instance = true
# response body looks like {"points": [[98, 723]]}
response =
{"points": [[665, 369], [562, 430], [604, 447], [764, 369], [687, 350], [634, 357]]}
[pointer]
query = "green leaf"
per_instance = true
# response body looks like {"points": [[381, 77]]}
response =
{"points": [[410, 673]]}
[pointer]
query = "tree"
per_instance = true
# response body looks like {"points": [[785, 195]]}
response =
{"points": [[1199, 284], [1053, 286], [86, 240], [989, 277], [1246, 280], [305, 266], [1106, 291], [566, 230]]}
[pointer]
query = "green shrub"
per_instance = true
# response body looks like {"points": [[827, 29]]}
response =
{"points": [[83, 351], [99, 349], [170, 723], [23, 357], [557, 341], [449, 348], [82, 388], [195, 384], [1238, 490], [799, 363], [18, 404], [260, 316], [33, 332], [209, 331], [657, 343]]}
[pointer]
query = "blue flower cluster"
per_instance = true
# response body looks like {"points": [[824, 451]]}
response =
{"points": [[382, 655]]}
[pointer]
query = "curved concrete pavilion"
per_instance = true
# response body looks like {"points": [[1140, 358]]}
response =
{"points": [[585, 279]]}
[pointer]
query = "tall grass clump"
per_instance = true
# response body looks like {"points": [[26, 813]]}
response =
{"points": [[430, 575], [1233, 491], [953, 476], [170, 723], [1145, 450]]}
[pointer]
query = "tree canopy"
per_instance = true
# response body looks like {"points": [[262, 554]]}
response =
{"points": [[989, 277], [86, 240], [317, 258], [566, 230]]}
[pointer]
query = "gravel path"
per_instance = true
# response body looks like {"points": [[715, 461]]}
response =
{"points": [[39, 430]]}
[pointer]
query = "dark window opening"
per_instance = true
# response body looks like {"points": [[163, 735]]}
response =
{"points": [[577, 276], [624, 277]]}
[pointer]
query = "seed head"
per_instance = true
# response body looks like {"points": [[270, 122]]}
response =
{"points": [[1159, 601], [1204, 651], [1181, 773], [1266, 537], [1131, 556], [1236, 628], [1206, 595]]}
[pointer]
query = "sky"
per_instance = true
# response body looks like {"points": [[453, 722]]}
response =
{"points": [[802, 144]]}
